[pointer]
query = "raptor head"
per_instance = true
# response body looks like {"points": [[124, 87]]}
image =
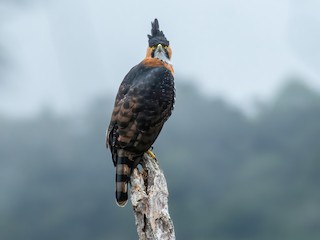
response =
{"points": [[158, 44]]}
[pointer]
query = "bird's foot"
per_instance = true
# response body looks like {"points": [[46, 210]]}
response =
{"points": [[151, 154]]}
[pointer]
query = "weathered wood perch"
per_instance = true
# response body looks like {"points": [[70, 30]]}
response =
{"points": [[149, 197]]}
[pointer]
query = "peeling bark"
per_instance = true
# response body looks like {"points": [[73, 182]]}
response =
{"points": [[149, 197]]}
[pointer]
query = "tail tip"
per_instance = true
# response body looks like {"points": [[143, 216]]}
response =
{"points": [[121, 203], [121, 198]]}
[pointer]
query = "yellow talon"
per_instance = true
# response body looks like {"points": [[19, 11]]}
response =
{"points": [[151, 154]]}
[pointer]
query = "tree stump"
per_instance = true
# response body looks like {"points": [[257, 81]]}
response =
{"points": [[149, 197]]}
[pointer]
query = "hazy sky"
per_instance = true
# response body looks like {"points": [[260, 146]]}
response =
{"points": [[64, 52]]}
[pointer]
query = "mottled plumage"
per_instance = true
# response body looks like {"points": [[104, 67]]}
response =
{"points": [[144, 102]]}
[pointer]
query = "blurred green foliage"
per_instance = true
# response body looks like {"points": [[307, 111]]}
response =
{"points": [[229, 176]]}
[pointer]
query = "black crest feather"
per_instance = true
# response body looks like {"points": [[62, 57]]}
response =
{"points": [[157, 36]]}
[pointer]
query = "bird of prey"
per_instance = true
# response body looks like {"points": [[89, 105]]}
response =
{"points": [[144, 102]]}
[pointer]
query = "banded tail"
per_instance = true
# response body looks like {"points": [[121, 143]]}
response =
{"points": [[123, 172]]}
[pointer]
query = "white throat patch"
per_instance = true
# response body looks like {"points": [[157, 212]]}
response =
{"points": [[160, 54]]}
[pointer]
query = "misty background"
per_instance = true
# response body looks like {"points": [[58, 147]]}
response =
{"points": [[240, 152]]}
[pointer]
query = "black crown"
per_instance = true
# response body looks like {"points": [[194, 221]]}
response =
{"points": [[157, 36]]}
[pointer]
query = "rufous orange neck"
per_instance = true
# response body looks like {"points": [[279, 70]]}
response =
{"points": [[154, 62]]}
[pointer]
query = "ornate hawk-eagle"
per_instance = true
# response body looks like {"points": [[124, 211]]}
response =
{"points": [[144, 102]]}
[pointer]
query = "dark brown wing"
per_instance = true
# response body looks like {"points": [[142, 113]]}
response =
{"points": [[112, 132], [144, 102]]}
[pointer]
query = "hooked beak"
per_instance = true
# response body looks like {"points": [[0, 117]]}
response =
{"points": [[159, 48], [161, 54]]}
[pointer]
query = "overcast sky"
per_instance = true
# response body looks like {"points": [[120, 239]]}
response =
{"points": [[63, 53]]}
